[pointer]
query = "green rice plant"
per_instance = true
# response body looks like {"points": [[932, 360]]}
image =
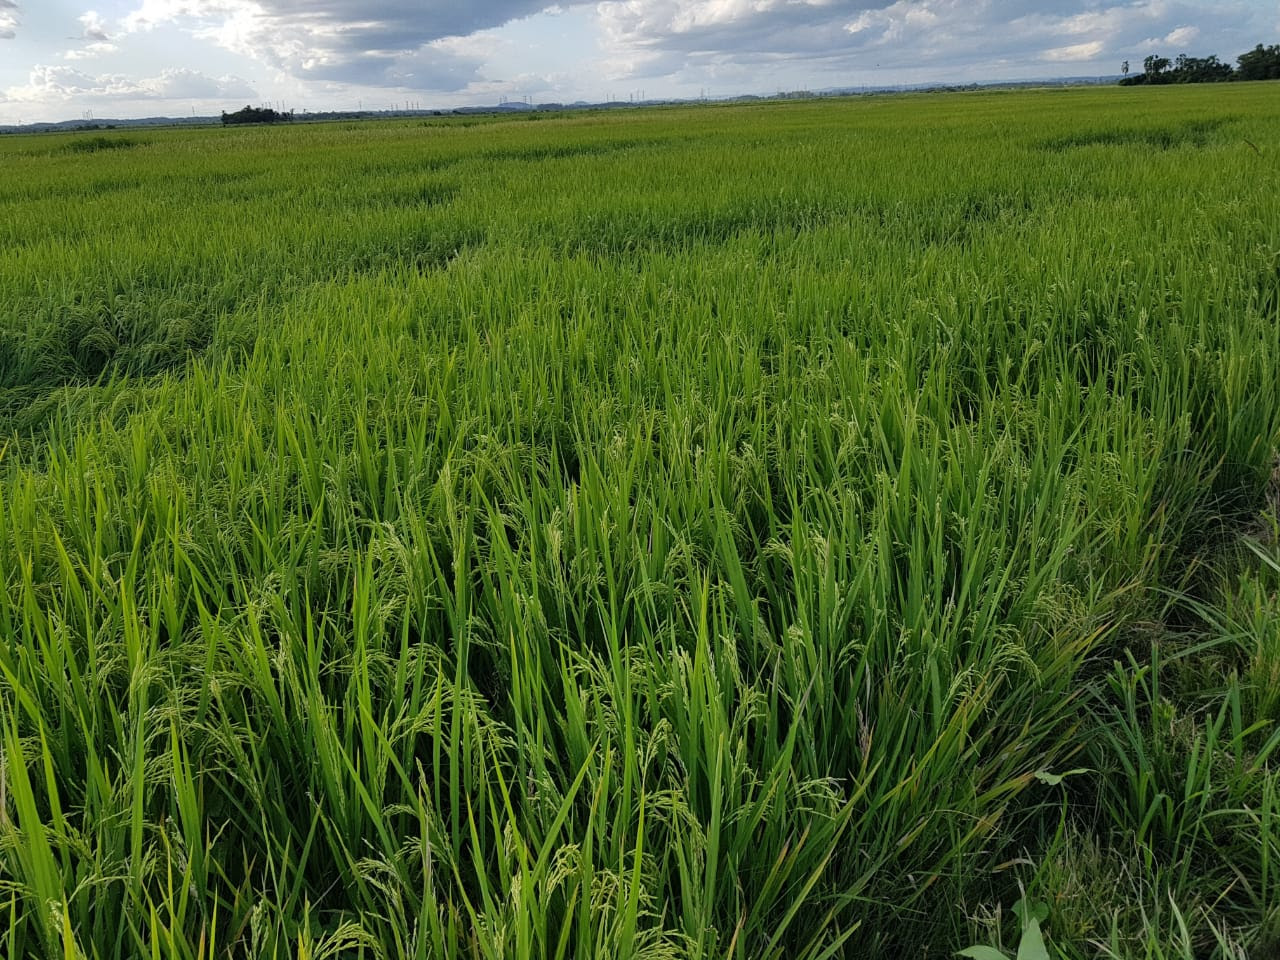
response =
{"points": [[695, 533]]}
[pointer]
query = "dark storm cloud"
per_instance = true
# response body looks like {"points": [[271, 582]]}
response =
{"points": [[425, 69], [397, 24], [394, 43], [660, 36]]}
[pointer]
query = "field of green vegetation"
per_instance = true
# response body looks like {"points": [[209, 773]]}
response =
{"points": [[774, 531]]}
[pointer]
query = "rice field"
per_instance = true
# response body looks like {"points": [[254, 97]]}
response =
{"points": [[795, 530]]}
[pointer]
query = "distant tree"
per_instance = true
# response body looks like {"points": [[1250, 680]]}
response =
{"points": [[1260, 63], [255, 115], [1205, 70]]}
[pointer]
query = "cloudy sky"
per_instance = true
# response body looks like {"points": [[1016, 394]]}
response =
{"points": [[63, 59]]}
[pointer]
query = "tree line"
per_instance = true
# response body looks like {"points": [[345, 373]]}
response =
{"points": [[1260, 63]]}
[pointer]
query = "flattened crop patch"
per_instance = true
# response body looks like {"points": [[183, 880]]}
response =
{"points": [[1192, 133], [98, 145], [566, 151], [127, 336]]}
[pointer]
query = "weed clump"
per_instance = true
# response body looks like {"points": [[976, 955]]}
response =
{"points": [[99, 144]]}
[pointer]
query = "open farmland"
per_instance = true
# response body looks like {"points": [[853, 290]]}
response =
{"points": [[773, 531]]}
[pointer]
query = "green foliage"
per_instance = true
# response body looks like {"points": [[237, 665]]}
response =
{"points": [[1260, 63], [1030, 940], [770, 531]]}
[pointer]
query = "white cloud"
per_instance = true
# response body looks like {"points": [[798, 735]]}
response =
{"points": [[8, 19], [97, 40], [90, 51], [59, 84], [1182, 36], [94, 27], [193, 85], [1076, 52]]}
